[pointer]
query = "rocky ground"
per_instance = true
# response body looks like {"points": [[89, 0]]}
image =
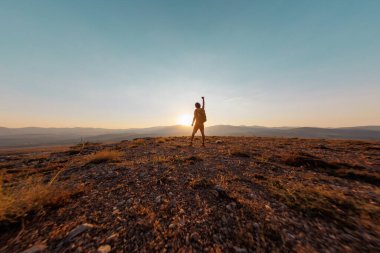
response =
{"points": [[238, 194]]}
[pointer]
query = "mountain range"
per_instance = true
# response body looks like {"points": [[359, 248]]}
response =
{"points": [[35, 136]]}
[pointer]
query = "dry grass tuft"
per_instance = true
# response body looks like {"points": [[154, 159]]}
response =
{"points": [[31, 195], [135, 143], [162, 140], [104, 156], [197, 183]]}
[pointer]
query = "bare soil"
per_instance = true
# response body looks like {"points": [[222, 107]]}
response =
{"points": [[238, 194]]}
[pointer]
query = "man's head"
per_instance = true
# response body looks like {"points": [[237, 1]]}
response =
{"points": [[197, 105]]}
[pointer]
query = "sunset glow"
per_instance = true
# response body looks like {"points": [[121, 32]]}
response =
{"points": [[185, 120]]}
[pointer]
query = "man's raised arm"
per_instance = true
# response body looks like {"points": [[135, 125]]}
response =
{"points": [[203, 102]]}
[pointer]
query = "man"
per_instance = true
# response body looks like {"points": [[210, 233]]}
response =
{"points": [[199, 119]]}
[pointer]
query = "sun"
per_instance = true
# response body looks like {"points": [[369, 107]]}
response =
{"points": [[185, 120]]}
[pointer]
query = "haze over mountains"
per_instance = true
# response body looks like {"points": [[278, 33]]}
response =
{"points": [[35, 136]]}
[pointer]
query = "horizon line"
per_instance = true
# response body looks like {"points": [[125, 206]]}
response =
{"points": [[178, 125]]}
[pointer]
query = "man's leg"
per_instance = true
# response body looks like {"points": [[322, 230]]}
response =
{"points": [[202, 128], [195, 130]]}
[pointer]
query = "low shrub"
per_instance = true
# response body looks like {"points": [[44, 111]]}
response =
{"points": [[104, 156], [31, 195]]}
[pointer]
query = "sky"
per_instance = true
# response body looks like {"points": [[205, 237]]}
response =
{"points": [[122, 64]]}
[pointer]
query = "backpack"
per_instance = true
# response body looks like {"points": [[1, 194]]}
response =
{"points": [[202, 115]]}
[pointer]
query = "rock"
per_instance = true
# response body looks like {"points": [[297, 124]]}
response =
{"points": [[215, 193], [78, 230], [36, 248], [240, 250], [104, 249], [195, 236], [219, 142], [172, 225], [172, 204], [290, 236], [221, 192], [302, 235], [231, 206], [181, 222], [256, 225], [158, 199], [113, 236]]}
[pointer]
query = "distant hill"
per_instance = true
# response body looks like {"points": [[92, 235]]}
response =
{"points": [[35, 136]]}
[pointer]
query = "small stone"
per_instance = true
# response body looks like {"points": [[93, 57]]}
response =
{"points": [[256, 225], [302, 235], [219, 142], [104, 249], [332, 236], [290, 236], [113, 236], [172, 204], [172, 225], [215, 193], [158, 199], [181, 222], [195, 236], [78, 230], [240, 250], [36, 248]]}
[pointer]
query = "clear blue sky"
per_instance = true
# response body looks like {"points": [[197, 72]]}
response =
{"points": [[121, 64]]}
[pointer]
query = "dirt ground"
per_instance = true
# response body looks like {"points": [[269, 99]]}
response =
{"points": [[238, 194]]}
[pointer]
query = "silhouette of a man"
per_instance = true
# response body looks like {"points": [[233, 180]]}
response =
{"points": [[199, 119]]}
